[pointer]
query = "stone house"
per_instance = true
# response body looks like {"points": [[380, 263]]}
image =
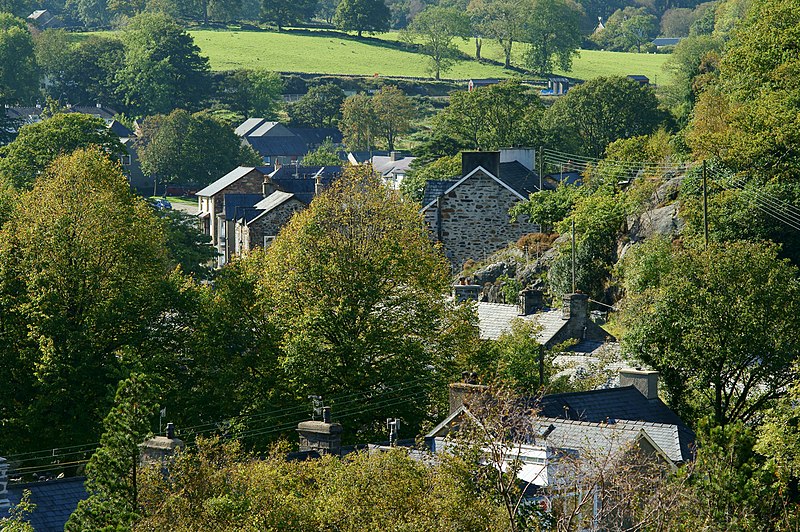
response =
{"points": [[211, 199], [239, 213], [469, 215], [259, 225]]}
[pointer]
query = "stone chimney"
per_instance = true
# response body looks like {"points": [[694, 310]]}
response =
{"points": [[645, 381], [161, 448], [489, 160], [461, 392], [395, 155], [464, 291], [321, 436], [575, 307], [530, 300], [4, 502], [267, 187]]}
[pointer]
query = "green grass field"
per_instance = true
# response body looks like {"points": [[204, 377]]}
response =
{"points": [[332, 53]]}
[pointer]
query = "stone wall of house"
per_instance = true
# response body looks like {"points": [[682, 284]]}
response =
{"points": [[472, 221], [270, 224]]}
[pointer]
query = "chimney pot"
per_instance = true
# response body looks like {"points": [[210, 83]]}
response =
{"points": [[326, 414], [171, 431]]}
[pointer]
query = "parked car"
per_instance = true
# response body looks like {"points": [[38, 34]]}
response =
{"points": [[162, 204]]}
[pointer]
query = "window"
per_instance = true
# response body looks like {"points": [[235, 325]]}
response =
{"points": [[268, 240], [126, 160]]}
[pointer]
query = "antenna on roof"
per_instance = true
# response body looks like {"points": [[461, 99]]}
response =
{"points": [[393, 426], [316, 406]]}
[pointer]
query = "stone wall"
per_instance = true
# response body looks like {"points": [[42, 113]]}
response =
{"points": [[472, 221], [249, 237]]}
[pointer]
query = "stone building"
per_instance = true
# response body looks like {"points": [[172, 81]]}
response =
{"points": [[246, 207], [260, 225], [469, 215]]}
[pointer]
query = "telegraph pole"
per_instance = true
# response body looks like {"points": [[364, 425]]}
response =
{"points": [[573, 256], [705, 203]]}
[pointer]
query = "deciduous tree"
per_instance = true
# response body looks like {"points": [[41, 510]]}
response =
{"points": [[600, 111], [552, 29], [359, 285], [190, 148], [435, 28], [83, 278], [361, 16], [163, 67], [39, 144], [716, 323], [321, 106], [19, 73], [359, 124]]}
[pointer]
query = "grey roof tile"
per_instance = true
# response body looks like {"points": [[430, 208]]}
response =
{"points": [[495, 319], [55, 500]]}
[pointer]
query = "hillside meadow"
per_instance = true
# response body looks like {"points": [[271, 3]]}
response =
{"points": [[328, 52]]}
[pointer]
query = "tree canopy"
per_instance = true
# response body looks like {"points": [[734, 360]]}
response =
{"points": [[717, 324], [39, 144], [83, 275], [488, 118], [594, 114], [361, 16], [19, 73], [321, 106], [191, 148], [434, 29], [163, 68], [553, 33], [359, 286]]}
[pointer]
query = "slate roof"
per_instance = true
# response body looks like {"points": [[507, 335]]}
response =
{"points": [[435, 188], [515, 175], [262, 129], [317, 135], [626, 403], [235, 204], [551, 181], [303, 189], [278, 146], [230, 178], [495, 318], [290, 171], [667, 41], [55, 500], [385, 166], [267, 204], [248, 125], [120, 129]]}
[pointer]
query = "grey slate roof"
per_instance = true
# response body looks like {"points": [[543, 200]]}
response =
{"points": [[435, 188], [495, 319], [267, 204], [278, 146], [248, 125], [55, 500], [230, 178], [235, 204], [317, 135], [616, 404], [120, 129]]}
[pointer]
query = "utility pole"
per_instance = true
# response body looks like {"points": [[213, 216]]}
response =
{"points": [[573, 256], [541, 366], [705, 203], [541, 167]]}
